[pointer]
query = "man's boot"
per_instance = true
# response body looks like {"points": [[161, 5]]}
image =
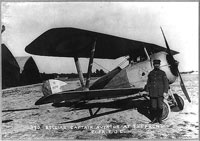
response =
{"points": [[159, 117], [153, 113]]}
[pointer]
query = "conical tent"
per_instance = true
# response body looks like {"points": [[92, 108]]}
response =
{"points": [[28, 70], [10, 69]]}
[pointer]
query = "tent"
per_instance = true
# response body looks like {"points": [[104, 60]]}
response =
{"points": [[10, 69], [28, 70]]}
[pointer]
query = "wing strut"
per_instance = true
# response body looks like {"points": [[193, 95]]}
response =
{"points": [[145, 50], [78, 67], [90, 66]]}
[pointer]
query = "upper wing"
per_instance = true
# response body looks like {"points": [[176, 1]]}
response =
{"points": [[87, 95], [70, 42]]}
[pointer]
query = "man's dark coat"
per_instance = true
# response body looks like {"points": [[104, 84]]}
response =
{"points": [[157, 83]]}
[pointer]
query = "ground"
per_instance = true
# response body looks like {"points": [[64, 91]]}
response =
{"points": [[117, 119]]}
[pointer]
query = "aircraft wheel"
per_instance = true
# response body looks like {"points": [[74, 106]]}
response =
{"points": [[166, 110], [180, 103]]}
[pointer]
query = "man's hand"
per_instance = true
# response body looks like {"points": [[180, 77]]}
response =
{"points": [[165, 95]]}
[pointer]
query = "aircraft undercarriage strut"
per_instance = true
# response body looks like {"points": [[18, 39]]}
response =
{"points": [[95, 113]]}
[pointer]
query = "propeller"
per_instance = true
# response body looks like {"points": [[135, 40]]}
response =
{"points": [[174, 65]]}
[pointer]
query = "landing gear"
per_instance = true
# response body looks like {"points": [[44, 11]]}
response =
{"points": [[177, 103], [174, 103], [95, 113], [166, 107], [166, 110]]}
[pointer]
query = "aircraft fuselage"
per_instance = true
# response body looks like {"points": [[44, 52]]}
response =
{"points": [[135, 74]]}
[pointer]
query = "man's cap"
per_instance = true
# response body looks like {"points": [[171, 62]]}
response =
{"points": [[156, 61]]}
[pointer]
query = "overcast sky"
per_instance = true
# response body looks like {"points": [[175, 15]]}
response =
{"points": [[25, 21]]}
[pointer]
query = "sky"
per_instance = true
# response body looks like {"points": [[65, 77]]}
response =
{"points": [[25, 21]]}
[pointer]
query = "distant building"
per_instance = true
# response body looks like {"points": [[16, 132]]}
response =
{"points": [[29, 72], [10, 69], [17, 71]]}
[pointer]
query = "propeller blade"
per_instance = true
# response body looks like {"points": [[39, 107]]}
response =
{"points": [[165, 39], [183, 87], [174, 64], [168, 49]]}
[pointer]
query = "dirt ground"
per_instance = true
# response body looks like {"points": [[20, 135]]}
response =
{"points": [[117, 119]]}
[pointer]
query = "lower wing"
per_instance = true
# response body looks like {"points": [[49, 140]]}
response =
{"points": [[87, 95]]}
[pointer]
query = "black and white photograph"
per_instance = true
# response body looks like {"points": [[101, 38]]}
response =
{"points": [[99, 70]]}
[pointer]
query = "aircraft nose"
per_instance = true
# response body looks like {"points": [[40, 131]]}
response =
{"points": [[173, 65]]}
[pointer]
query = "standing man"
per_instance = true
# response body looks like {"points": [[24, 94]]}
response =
{"points": [[157, 86]]}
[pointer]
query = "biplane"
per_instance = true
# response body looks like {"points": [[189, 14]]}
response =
{"points": [[130, 80]]}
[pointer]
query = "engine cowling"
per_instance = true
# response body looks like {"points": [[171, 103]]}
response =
{"points": [[166, 65]]}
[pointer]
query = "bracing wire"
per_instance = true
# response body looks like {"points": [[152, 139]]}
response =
{"points": [[121, 63], [101, 66], [125, 59]]}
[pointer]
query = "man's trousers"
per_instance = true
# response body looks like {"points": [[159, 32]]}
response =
{"points": [[156, 108]]}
